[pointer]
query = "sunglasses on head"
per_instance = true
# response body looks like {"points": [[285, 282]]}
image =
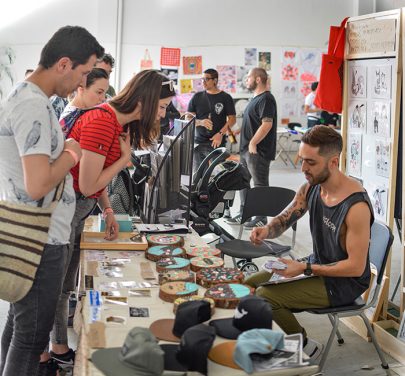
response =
{"points": [[170, 83]]}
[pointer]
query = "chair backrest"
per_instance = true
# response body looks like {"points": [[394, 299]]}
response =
{"points": [[266, 201], [380, 245]]}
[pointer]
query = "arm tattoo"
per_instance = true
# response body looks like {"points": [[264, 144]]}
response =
{"points": [[267, 120], [290, 215]]}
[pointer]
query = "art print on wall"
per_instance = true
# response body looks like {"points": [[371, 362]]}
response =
{"points": [[289, 108], [227, 78], [357, 115], [289, 89], [379, 200], [309, 58], [265, 61], [241, 76], [197, 85], [289, 56], [192, 64], [170, 57], [251, 56], [382, 158], [357, 81], [186, 86], [380, 119], [354, 154], [289, 72], [380, 81], [305, 88]]}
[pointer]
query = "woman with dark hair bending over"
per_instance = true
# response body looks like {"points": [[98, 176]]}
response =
{"points": [[105, 135]]}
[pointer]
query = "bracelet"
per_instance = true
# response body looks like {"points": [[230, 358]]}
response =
{"points": [[73, 154], [107, 211], [221, 133]]}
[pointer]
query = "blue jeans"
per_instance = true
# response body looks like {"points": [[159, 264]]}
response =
{"points": [[29, 321], [84, 207], [258, 168]]}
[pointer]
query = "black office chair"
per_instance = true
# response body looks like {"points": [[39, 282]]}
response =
{"points": [[260, 201], [380, 246]]}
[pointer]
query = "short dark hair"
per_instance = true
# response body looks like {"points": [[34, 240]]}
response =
{"points": [[327, 139], [314, 86], [74, 42], [145, 88], [94, 75], [108, 59], [212, 72]]}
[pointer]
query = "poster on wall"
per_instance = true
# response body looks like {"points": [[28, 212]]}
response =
{"points": [[380, 81], [289, 56], [251, 56], [227, 78], [357, 81], [357, 115], [170, 57], [171, 73], [378, 194], [289, 72], [192, 64], [182, 101], [289, 108], [380, 119], [309, 58], [289, 89], [354, 154], [382, 158], [305, 88], [186, 85], [241, 76], [197, 85], [265, 61]]}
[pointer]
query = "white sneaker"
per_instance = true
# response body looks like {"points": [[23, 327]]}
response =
{"points": [[313, 349]]}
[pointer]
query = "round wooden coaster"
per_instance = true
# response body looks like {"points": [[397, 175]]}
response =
{"points": [[165, 239], [227, 295], [202, 252], [157, 252], [170, 263], [176, 276], [209, 277], [170, 291], [198, 263]]}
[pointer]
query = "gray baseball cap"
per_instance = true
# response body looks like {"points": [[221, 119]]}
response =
{"points": [[139, 355]]}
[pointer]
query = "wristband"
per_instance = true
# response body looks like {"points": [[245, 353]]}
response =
{"points": [[221, 133], [73, 154], [107, 211]]}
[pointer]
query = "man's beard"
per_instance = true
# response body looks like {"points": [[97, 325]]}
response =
{"points": [[321, 178]]}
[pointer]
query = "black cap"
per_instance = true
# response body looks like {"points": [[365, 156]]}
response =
{"points": [[189, 314], [252, 312], [192, 353]]}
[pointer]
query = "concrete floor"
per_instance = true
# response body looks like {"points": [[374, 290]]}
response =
{"points": [[348, 359]]}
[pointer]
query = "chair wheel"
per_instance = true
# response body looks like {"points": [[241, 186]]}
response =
{"points": [[249, 268], [240, 263], [341, 341]]}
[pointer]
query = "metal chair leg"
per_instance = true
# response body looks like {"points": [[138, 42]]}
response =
{"points": [[329, 344], [341, 341], [370, 330]]}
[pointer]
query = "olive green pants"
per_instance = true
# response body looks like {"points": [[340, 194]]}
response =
{"points": [[285, 297]]}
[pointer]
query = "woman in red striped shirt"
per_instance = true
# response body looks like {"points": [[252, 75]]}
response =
{"points": [[131, 118]]}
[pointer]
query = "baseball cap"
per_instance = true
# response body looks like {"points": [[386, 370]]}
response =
{"points": [[139, 355], [188, 314], [192, 352], [259, 341], [252, 312]]}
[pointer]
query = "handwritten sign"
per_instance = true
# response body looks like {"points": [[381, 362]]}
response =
{"points": [[371, 36]]}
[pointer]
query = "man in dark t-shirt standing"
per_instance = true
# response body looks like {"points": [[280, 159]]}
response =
{"points": [[215, 115], [258, 138]]}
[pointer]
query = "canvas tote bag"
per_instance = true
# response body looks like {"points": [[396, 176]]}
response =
{"points": [[330, 89], [23, 235]]}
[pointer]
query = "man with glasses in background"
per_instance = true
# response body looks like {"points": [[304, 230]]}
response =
{"points": [[215, 115]]}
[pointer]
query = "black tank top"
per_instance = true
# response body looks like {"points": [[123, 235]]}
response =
{"points": [[325, 224]]}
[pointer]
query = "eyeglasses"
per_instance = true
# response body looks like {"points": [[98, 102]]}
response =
{"points": [[205, 79], [170, 83]]}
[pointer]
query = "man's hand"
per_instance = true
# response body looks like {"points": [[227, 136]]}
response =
{"points": [[258, 234], [293, 269], [207, 123], [252, 148], [112, 227], [216, 140]]}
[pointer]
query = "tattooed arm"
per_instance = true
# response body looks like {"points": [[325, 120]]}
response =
{"points": [[291, 214]]}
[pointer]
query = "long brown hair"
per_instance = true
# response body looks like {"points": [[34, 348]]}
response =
{"points": [[144, 88]]}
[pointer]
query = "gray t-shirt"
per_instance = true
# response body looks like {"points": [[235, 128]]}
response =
{"points": [[28, 125]]}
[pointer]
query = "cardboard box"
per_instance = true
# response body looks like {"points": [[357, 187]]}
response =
{"points": [[388, 342]]}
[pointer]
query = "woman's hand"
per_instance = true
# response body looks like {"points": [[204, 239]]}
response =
{"points": [[112, 227]]}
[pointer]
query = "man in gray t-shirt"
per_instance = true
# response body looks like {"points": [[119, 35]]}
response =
{"points": [[34, 159]]}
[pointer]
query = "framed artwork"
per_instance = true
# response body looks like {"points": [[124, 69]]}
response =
{"points": [[354, 154], [265, 60], [186, 86], [357, 115], [380, 119], [251, 56], [379, 200], [192, 64], [357, 81], [170, 57], [289, 89], [227, 78], [380, 81], [382, 158]]}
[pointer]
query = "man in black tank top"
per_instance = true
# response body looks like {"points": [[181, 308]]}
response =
{"points": [[341, 216]]}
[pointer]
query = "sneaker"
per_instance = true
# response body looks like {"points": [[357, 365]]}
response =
{"points": [[234, 220], [48, 368], [313, 349], [256, 222], [65, 361]]}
